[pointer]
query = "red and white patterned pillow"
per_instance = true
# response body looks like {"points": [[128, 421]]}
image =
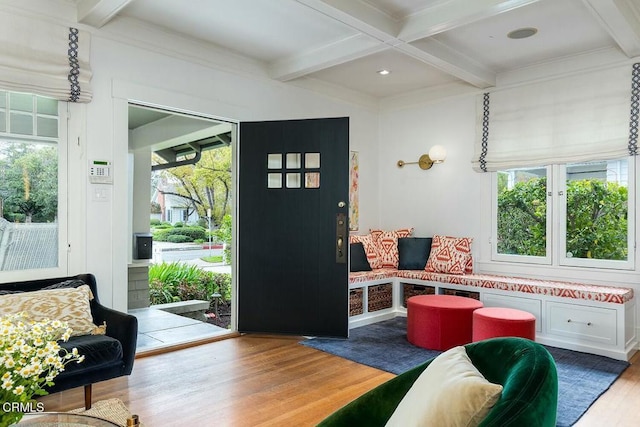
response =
{"points": [[450, 255], [369, 249], [386, 243]]}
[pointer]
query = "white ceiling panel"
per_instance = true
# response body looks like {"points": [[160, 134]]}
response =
{"points": [[264, 30], [406, 74], [565, 28]]}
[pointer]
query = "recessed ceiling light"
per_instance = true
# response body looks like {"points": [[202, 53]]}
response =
{"points": [[522, 33], [383, 72]]}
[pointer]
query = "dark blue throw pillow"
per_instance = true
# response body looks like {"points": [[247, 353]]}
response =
{"points": [[358, 258], [413, 252]]}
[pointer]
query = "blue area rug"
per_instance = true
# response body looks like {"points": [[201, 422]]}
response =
{"points": [[582, 377]]}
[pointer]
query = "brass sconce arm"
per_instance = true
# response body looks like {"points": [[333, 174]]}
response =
{"points": [[424, 162], [437, 154]]}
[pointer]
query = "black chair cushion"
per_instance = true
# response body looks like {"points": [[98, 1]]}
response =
{"points": [[99, 351]]}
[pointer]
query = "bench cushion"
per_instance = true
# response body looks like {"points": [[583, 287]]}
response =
{"points": [[599, 293], [386, 243], [451, 255]]}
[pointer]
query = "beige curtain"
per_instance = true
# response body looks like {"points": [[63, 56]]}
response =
{"points": [[570, 119], [44, 58]]}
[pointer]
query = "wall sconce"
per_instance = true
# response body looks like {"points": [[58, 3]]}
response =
{"points": [[437, 154]]}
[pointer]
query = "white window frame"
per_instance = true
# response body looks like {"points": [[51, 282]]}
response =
{"points": [[556, 225], [527, 259], [561, 202], [63, 241]]}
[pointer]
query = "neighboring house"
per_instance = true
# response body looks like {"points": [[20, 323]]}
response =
{"points": [[173, 208]]}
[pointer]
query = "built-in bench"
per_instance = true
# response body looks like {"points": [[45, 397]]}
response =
{"points": [[592, 318]]}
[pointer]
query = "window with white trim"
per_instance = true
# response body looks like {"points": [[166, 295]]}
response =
{"points": [[577, 214], [30, 156]]}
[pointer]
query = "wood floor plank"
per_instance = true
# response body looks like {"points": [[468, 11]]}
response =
{"points": [[274, 381]]}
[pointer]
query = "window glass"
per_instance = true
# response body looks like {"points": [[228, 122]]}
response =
{"points": [[274, 161], [293, 161], [522, 212], [29, 216], [312, 160], [597, 210], [47, 106], [48, 126], [590, 203], [21, 102], [21, 123]]}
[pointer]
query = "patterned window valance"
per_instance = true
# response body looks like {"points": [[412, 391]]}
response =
{"points": [[570, 119], [47, 59]]}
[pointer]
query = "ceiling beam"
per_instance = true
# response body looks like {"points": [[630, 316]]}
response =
{"points": [[359, 16], [438, 55], [327, 56], [173, 131], [97, 13], [378, 31], [452, 14], [621, 19]]}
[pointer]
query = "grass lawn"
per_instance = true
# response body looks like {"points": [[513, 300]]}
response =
{"points": [[215, 258]]}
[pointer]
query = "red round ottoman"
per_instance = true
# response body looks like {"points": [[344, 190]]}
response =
{"points": [[440, 322], [490, 322]]}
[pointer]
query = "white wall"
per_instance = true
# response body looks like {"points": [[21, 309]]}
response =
{"points": [[445, 198]]}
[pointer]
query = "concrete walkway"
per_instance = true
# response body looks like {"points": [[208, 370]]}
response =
{"points": [[158, 328]]}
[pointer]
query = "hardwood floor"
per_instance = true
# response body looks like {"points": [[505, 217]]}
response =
{"points": [[619, 405], [274, 381]]}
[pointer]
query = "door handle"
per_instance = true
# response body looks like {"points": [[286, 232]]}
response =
{"points": [[341, 231]]}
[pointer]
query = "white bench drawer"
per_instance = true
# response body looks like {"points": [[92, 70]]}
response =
{"points": [[582, 323]]}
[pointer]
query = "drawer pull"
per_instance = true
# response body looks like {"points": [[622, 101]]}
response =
{"points": [[575, 321]]}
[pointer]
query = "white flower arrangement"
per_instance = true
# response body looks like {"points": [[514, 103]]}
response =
{"points": [[30, 359]]}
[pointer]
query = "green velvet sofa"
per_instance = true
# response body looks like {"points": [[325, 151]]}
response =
{"points": [[524, 368]]}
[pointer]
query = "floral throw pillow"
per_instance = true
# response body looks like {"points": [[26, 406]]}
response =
{"points": [[386, 244], [369, 249], [450, 255], [70, 305]]}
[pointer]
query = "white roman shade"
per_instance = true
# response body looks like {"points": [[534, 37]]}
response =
{"points": [[570, 119], [44, 58]]}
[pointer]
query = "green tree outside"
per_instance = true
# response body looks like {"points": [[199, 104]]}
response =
{"points": [[205, 185], [596, 219], [29, 182]]}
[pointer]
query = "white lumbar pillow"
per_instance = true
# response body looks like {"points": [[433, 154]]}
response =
{"points": [[450, 392]]}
